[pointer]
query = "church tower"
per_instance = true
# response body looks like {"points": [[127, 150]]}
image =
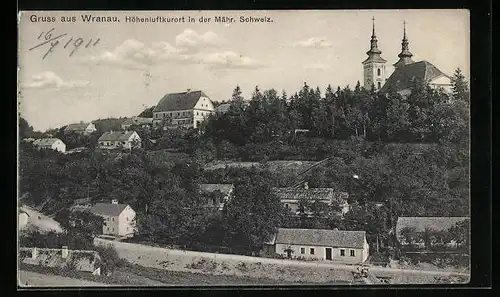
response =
{"points": [[405, 55], [374, 65]]}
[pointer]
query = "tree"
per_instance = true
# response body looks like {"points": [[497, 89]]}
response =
{"points": [[25, 130], [80, 222], [253, 214], [460, 86]]}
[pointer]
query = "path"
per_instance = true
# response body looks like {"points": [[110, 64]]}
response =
{"points": [[34, 279]]}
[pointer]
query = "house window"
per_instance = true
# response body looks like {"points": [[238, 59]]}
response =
{"points": [[378, 72], [127, 229], [107, 228], [342, 252], [113, 219], [311, 251], [352, 253], [127, 219], [302, 250]]}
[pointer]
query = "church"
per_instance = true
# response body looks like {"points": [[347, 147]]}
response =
{"points": [[406, 70]]}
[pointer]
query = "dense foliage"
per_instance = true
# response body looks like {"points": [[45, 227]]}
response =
{"points": [[410, 153]]}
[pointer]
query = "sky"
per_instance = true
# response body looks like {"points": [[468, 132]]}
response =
{"points": [[120, 68]]}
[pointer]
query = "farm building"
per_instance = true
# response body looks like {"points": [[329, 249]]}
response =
{"points": [[294, 198], [348, 247], [137, 121], [119, 140], [50, 143], [119, 219], [81, 128]]}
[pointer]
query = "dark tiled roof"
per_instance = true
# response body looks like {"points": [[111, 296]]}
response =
{"points": [[108, 209], [116, 136], [45, 141], [321, 237], [76, 127], [137, 121], [223, 188], [301, 193], [223, 108], [422, 223], [401, 78], [179, 101]]}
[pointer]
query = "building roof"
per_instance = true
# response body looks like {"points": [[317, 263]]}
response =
{"points": [[76, 127], [301, 193], [422, 223], [116, 136], [402, 77], [223, 188], [222, 108], [321, 237], [179, 101], [108, 209], [137, 121], [46, 141]]}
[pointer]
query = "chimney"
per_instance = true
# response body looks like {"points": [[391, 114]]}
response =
{"points": [[114, 201], [188, 91], [306, 185], [64, 252]]}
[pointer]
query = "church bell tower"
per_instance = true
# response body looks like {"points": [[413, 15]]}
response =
{"points": [[374, 65]]}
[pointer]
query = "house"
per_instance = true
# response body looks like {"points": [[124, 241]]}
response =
{"points": [[410, 230], [137, 121], [187, 109], [81, 128], [119, 140], [222, 108], [292, 198], [349, 247], [50, 143], [225, 191], [119, 219]]}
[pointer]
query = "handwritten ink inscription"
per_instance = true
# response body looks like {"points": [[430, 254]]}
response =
{"points": [[71, 44]]}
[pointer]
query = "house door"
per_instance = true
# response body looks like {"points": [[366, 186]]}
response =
{"points": [[328, 252]]}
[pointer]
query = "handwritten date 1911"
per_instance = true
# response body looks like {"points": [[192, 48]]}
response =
{"points": [[71, 43]]}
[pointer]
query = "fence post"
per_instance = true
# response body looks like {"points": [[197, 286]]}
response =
{"points": [[34, 253]]}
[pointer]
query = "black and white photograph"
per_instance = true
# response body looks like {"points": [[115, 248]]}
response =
{"points": [[243, 148]]}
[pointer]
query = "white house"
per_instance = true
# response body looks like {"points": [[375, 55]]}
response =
{"points": [[292, 198], [225, 190], [348, 247], [82, 128], [187, 109], [119, 140], [119, 219], [50, 143]]}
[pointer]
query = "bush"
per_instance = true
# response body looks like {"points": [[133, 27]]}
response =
{"points": [[109, 258]]}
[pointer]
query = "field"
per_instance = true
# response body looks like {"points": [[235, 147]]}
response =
{"points": [[35, 279], [291, 167]]}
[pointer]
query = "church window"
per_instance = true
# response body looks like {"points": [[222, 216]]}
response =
{"points": [[379, 85], [378, 71]]}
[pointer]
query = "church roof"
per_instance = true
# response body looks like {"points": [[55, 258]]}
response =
{"points": [[402, 77]]}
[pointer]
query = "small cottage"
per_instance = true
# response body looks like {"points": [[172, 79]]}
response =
{"points": [[50, 143], [119, 140], [119, 219], [81, 128], [348, 247]]}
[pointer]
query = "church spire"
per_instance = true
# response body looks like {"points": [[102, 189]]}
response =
{"points": [[405, 55], [374, 52]]}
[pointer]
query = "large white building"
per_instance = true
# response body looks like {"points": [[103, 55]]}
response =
{"points": [[187, 109]]}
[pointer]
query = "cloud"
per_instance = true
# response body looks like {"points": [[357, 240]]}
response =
{"points": [[313, 42], [48, 79], [190, 39], [135, 54], [190, 48], [227, 59]]}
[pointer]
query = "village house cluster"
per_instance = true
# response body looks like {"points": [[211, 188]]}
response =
{"points": [[190, 108]]}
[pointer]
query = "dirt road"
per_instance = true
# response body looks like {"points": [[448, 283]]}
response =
{"points": [[34, 279]]}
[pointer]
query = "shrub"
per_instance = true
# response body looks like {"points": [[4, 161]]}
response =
{"points": [[109, 258]]}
